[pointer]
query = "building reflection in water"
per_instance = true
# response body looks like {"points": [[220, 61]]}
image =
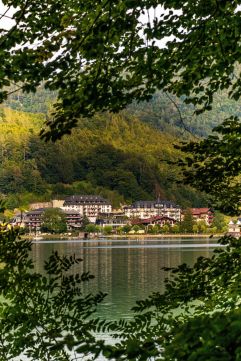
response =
{"points": [[127, 270]]}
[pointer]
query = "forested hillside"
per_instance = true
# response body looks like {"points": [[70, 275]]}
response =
{"points": [[164, 111], [116, 156], [171, 114], [38, 102], [123, 157]]}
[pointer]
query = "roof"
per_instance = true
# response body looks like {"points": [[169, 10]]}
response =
{"points": [[153, 204], [197, 211], [71, 212], [158, 218], [36, 211], [139, 221], [152, 219], [40, 211], [85, 199]]}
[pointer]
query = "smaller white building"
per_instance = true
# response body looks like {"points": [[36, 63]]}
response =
{"points": [[149, 209], [33, 219], [113, 219], [234, 228], [203, 214]]}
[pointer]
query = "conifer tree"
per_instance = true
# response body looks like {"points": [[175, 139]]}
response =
{"points": [[187, 224]]}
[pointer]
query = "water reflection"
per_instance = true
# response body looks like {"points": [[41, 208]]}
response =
{"points": [[127, 270]]}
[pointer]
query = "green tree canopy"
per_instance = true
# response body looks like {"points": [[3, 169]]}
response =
{"points": [[101, 55], [91, 228], [54, 221], [219, 221], [126, 228], [107, 229], [43, 316], [213, 165], [187, 223], [196, 318]]}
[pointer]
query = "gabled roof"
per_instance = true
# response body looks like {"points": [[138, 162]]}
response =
{"points": [[198, 211], [35, 212], [153, 204], [160, 218], [40, 211], [152, 219], [85, 199], [139, 221]]}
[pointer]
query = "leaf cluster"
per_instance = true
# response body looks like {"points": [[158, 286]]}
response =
{"points": [[43, 316], [101, 56], [54, 221], [196, 318], [107, 155], [213, 165]]}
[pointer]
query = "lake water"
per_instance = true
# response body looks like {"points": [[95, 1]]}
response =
{"points": [[128, 270]]}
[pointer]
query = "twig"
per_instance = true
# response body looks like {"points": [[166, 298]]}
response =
{"points": [[93, 23], [16, 25], [180, 115], [4, 15], [15, 91]]}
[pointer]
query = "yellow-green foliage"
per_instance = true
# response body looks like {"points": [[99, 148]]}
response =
{"points": [[16, 125], [123, 132], [114, 155]]}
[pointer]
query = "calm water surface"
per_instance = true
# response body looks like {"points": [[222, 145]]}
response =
{"points": [[128, 270]]}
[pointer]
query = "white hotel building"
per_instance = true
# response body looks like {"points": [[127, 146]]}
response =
{"points": [[87, 205], [148, 209]]}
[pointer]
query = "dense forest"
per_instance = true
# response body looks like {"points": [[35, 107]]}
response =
{"points": [[164, 111], [171, 114], [123, 157], [116, 156]]}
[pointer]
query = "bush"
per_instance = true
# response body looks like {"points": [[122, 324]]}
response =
{"points": [[91, 228], [107, 230]]}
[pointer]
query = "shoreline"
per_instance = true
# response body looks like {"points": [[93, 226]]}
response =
{"points": [[164, 236], [124, 237]]}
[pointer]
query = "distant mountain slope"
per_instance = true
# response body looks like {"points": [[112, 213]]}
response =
{"points": [[38, 102], [164, 111], [15, 129], [116, 156], [123, 157], [17, 121], [172, 115]]}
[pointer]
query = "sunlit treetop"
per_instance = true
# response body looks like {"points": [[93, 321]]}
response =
{"points": [[101, 55]]}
